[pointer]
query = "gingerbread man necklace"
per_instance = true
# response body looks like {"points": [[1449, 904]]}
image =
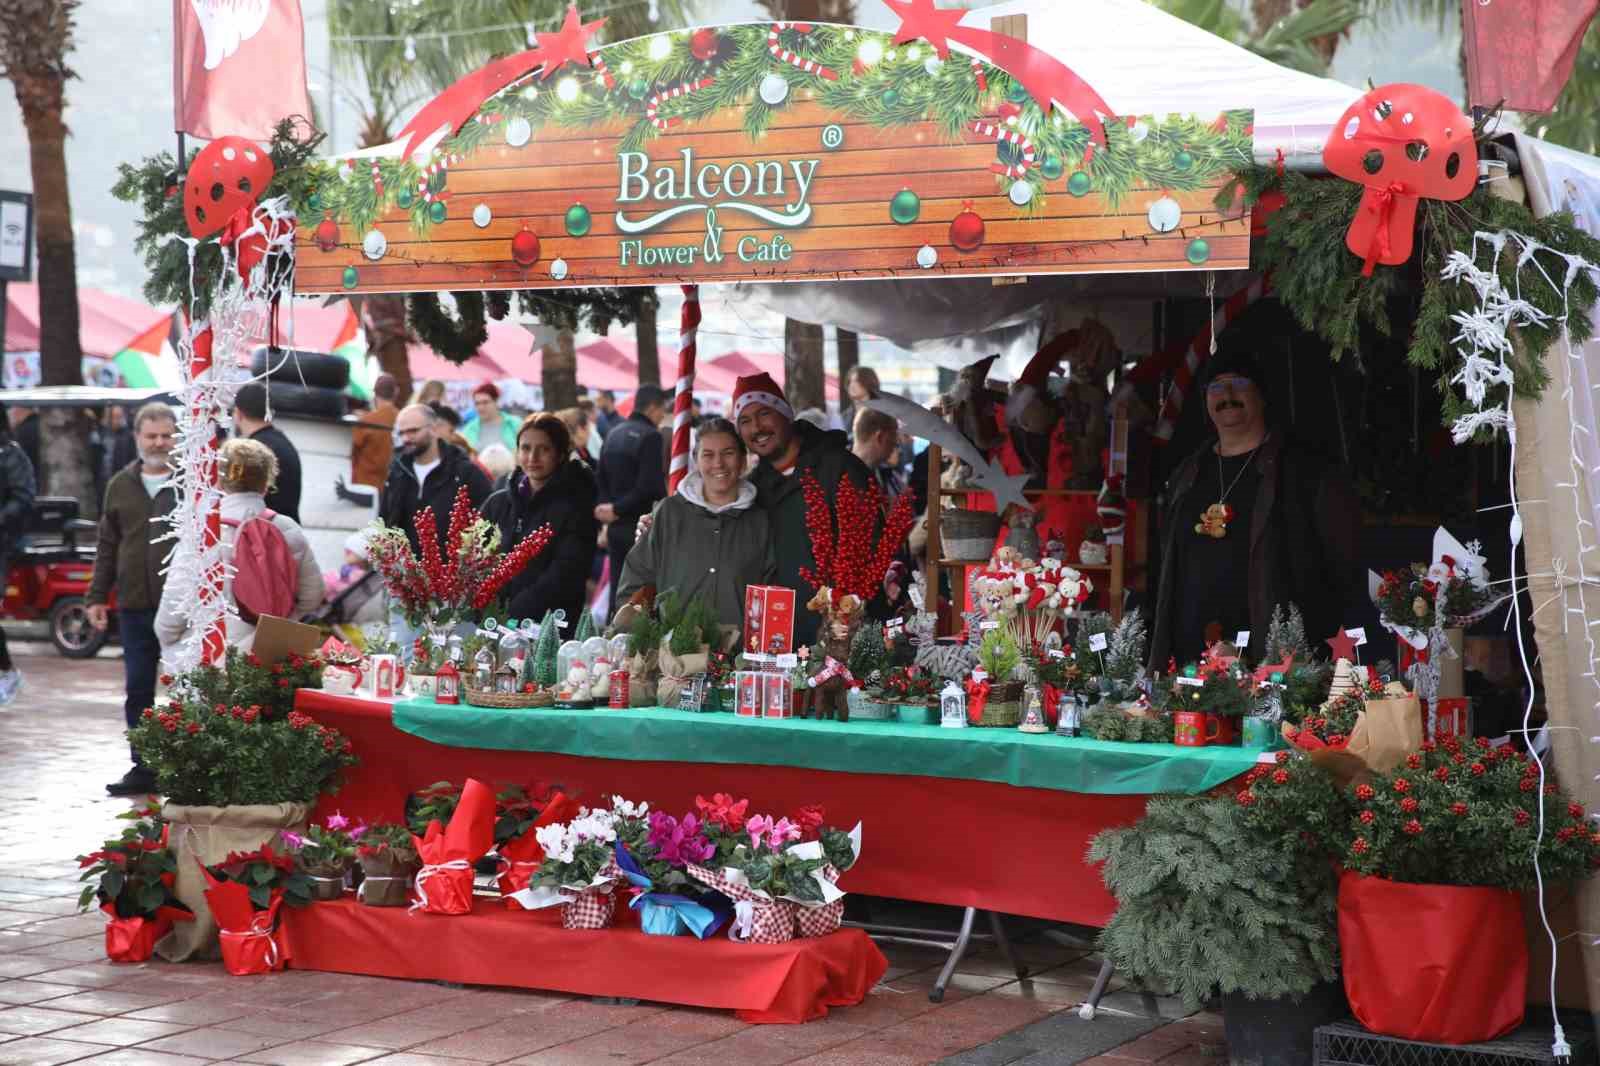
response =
{"points": [[1214, 519]]}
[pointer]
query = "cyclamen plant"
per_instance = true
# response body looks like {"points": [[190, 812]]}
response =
{"points": [[326, 850]]}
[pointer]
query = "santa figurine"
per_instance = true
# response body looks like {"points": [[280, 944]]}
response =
{"points": [[600, 679], [577, 678]]}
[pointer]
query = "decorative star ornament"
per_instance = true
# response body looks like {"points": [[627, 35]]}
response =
{"points": [[569, 44], [920, 19], [1343, 645]]}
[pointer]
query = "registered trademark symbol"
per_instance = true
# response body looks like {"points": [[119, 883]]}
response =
{"points": [[832, 136]]}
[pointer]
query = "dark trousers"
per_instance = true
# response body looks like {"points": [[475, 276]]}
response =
{"points": [[619, 542], [141, 657]]}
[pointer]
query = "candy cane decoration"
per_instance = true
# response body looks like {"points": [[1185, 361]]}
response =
{"points": [[1002, 135], [598, 62], [652, 106], [1195, 354], [683, 395], [377, 180], [977, 72], [799, 62], [433, 168]]}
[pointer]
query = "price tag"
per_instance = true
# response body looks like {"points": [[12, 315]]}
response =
{"points": [[1097, 642], [1056, 653], [1192, 682], [988, 624], [788, 661], [1241, 639], [1358, 634], [895, 624], [757, 658]]}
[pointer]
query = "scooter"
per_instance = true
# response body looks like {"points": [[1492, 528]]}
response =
{"points": [[52, 564]]}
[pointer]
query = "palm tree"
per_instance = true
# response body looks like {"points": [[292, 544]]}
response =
{"points": [[35, 37], [1300, 35]]}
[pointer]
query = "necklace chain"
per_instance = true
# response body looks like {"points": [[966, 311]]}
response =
{"points": [[1224, 497]]}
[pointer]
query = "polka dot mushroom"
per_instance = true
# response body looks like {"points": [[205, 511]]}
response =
{"points": [[225, 178], [1402, 142]]}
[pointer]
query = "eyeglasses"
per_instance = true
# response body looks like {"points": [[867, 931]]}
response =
{"points": [[1228, 384]]}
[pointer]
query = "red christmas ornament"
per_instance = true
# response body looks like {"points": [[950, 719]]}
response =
{"points": [[327, 234], [704, 44], [525, 247], [1402, 142], [966, 229], [225, 178]]}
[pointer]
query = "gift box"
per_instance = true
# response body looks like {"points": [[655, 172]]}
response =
{"points": [[252, 951], [778, 697], [134, 939], [444, 884], [1451, 717], [749, 690], [768, 619]]}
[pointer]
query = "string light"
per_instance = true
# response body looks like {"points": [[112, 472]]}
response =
{"points": [[660, 47], [870, 52], [567, 89], [654, 13]]}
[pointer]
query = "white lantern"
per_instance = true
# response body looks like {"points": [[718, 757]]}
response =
{"points": [[953, 706]]}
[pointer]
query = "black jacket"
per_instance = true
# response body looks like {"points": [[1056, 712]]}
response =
{"points": [[401, 496], [17, 489], [285, 495], [128, 555], [826, 454], [632, 475], [1304, 533], [553, 579]]}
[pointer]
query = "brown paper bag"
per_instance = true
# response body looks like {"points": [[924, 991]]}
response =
{"points": [[278, 638], [1386, 731], [644, 670], [676, 670]]}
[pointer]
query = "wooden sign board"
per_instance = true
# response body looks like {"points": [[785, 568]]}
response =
{"points": [[764, 172]]}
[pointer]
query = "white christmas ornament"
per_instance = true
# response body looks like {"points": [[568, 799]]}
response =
{"points": [[1021, 193], [558, 269], [374, 245], [481, 215], [1164, 215], [927, 256], [518, 131], [931, 65], [774, 90], [1138, 132]]}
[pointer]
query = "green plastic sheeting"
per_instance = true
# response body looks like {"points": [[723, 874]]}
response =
{"points": [[1005, 756]]}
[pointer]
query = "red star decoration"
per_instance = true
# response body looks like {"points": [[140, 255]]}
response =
{"points": [[1343, 645], [567, 45], [919, 18]]}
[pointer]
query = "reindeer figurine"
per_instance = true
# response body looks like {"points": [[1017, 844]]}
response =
{"points": [[830, 688]]}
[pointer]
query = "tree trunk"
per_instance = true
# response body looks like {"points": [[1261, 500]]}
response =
{"points": [[560, 378], [802, 365], [849, 344], [387, 336], [644, 333]]}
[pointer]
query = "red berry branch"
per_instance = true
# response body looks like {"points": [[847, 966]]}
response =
{"points": [[851, 550], [511, 565]]}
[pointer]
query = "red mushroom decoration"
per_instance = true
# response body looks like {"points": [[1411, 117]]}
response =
{"points": [[1402, 142], [225, 179]]}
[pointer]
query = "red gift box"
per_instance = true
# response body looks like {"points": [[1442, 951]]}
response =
{"points": [[768, 620], [747, 702], [255, 950], [1452, 718], [134, 939], [778, 702]]}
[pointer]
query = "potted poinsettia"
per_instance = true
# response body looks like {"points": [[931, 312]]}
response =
{"points": [[389, 862], [133, 878], [1441, 846], [325, 854], [244, 893]]}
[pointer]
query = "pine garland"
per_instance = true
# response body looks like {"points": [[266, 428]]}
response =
{"points": [[456, 341], [1319, 280]]}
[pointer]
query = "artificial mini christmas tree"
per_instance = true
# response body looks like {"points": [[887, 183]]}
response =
{"points": [[1125, 649], [585, 626], [868, 654], [544, 652], [1286, 636]]}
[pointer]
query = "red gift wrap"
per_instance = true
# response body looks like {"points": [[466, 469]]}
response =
{"points": [[818, 921], [521, 857], [1442, 964], [134, 939], [1452, 718], [255, 950], [444, 884], [768, 619], [589, 909]]}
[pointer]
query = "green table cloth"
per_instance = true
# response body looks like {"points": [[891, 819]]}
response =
{"points": [[1004, 756]]}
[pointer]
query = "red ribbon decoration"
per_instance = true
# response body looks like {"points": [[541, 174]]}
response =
{"points": [[1380, 199], [1409, 655]]}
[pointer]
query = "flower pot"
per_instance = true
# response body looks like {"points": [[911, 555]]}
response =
{"points": [[326, 883], [589, 909], [386, 882], [1093, 553], [208, 835], [873, 711], [1278, 1032], [134, 939], [1443, 964], [916, 714], [1222, 729]]}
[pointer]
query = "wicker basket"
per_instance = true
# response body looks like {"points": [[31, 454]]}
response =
{"points": [[968, 536], [479, 697], [872, 711], [1003, 708]]}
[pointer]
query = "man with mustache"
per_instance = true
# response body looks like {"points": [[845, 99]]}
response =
{"points": [[1250, 522]]}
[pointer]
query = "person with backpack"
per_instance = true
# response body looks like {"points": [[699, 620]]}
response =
{"points": [[271, 568]]}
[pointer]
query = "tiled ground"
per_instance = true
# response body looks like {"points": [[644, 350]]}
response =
{"points": [[60, 1001]]}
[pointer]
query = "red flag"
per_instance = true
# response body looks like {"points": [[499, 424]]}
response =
{"points": [[238, 66], [1522, 51]]}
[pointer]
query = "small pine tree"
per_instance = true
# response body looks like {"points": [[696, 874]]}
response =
{"points": [[544, 652], [1286, 635], [585, 628], [1125, 649], [868, 654]]}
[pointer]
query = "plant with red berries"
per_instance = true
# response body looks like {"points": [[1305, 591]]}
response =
{"points": [[908, 684], [1296, 802], [1468, 814], [852, 540], [449, 584]]}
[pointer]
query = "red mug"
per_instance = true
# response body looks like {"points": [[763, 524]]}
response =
{"points": [[1191, 729]]}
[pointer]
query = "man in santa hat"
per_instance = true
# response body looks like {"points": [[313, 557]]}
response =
{"points": [[788, 448]]}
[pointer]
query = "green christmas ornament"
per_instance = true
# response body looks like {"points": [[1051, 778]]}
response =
{"points": [[1080, 183], [1052, 167], [638, 88], [436, 211], [436, 181], [403, 199], [891, 97], [350, 278], [1199, 251], [578, 220], [1183, 160], [905, 207], [1017, 94], [314, 201]]}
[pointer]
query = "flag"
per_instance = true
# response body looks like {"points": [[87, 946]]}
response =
{"points": [[150, 361], [238, 66], [351, 345], [1522, 51]]}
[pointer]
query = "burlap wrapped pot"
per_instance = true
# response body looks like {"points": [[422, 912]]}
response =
{"points": [[643, 671]]}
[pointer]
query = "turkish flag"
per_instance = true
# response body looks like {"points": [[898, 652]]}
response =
{"points": [[1522, 51], [238, 66]]}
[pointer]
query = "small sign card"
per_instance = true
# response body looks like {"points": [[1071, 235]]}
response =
{"points": [[1241, 639], [1097, 642], [1192, 682], [1358, 634]]}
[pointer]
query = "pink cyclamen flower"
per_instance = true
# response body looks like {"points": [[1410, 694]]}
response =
{"points": [[358, 832], [337, 821], [782, 832], [758, 825], [294, 840]]}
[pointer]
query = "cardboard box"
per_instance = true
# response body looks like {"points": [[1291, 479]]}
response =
{"points": [[768, 619]]}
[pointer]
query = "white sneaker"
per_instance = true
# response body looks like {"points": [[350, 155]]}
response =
{"points": [[10, 685]]}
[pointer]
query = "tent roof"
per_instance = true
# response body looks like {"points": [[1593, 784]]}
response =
{"points": [[106, 323]]}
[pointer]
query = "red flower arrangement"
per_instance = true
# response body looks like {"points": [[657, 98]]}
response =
{"points": [[851, 552]]}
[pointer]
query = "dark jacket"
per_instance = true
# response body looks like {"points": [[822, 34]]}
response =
{"points": [[826, 454], [1304, 532], [700, 554], [553, 579], [285, 495], [632, 475], [17, 489], [401, 496], [124, 557]]}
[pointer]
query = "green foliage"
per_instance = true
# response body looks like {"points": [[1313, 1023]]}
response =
{"points": [[868, 655], [436, 802], [132, 871], [322, 851], [388, 840], [1297, 804], [546, 653], [1289, 42], [263, 872], [1109, 723], [293, 146], [1207, 906], [243, 680], [999, 654], [1571, 123], [691, 626]]}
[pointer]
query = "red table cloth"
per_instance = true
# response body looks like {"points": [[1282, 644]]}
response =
{"points": [[792, 982], [931, 839]]}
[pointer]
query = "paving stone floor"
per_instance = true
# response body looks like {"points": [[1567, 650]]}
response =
{"points": [[61, 1001]]}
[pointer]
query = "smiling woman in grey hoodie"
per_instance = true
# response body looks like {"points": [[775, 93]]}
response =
{"points": [[708, 539]]}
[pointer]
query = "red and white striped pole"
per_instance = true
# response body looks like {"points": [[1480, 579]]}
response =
{"points": [[683, 398], [215, 643], [1198, 351]]}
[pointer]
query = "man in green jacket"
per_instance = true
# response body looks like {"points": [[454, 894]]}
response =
{"points": [[788, 449], [129, 555]]}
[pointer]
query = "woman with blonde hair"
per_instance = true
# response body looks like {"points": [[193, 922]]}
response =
{"points": [[246, 472], [430, 393]]}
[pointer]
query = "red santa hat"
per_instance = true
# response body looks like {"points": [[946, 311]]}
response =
{"points": [[760, 388]]}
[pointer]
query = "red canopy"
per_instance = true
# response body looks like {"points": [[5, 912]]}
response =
{"points": [[106, 323]]}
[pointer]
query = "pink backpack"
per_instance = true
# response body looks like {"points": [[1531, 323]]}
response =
{"points": [[265, 572]]}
